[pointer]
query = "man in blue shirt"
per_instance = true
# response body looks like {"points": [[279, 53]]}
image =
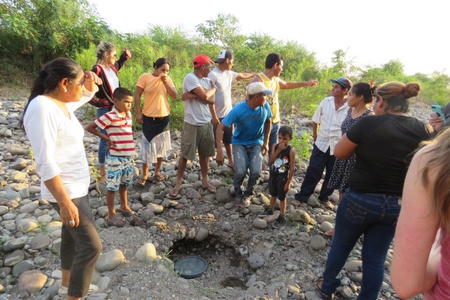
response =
{"points": [[250, 139]]}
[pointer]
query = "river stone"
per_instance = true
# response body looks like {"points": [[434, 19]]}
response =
{"points": [[259, 223], [202, 234], [255, 261], [32, 281], [110, 260], [3, 210], [40, 242], [26, 225], [146, 253], [22, 267], [317, 243], [15, 244], [29, 208], [14, 258]]}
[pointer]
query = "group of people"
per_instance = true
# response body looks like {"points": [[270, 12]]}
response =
{"points": [[366, 158]]}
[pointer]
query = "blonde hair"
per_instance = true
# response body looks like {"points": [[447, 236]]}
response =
{"points": [[439, 151], [102, 48]]}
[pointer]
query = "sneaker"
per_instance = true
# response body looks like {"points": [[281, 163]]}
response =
{"points": [[280, 221], [63, 291], [268, 212]]}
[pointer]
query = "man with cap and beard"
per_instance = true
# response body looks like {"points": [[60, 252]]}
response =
{"points": [[327, 122], [250, 139], [198, 93], [222, 77]]}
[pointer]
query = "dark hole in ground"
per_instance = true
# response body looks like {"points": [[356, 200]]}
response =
{"points": [[226, 267]]}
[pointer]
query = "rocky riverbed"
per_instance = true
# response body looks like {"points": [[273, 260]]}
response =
{"points": [[247, 258]]}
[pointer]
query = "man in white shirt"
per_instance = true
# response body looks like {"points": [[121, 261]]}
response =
{"points": [[223, 77], [327, 122], [198, 93]]}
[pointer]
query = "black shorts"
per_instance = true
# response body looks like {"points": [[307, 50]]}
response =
{"points": [[276, 185], [227, 133]]}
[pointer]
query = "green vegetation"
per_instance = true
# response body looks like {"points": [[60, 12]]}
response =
{"points": [[36, 31]]}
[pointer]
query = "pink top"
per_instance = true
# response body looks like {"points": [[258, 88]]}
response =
{"points": [[441, 290]]}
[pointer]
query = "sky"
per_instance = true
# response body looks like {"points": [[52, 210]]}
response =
{"points": [[370, 32]]}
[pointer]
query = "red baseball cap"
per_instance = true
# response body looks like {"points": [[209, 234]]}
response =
{"points": [[201, 60]]}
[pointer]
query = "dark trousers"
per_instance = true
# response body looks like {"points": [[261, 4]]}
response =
{"points": [[318, 162], [80, 249]]}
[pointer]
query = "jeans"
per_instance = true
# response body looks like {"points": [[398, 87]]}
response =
{"points": [[103, 146], [80, 248], [273, 136], [246, 158], [317, 163], [375, 216]]}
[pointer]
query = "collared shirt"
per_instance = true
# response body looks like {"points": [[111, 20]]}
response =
{"points": [[119, 129], [329, 120]]}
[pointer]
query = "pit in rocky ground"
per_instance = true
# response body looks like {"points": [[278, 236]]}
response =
{"points": [[226, 266]]}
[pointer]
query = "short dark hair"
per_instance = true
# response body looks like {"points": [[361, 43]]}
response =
{"points": [[161, 61], [286, 130], [273, 58], [120, 93]]}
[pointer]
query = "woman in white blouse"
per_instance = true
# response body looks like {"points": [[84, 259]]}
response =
{"points": [[56, 137]]}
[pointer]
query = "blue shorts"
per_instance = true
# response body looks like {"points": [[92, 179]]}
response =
{"points": [[119, 171]]}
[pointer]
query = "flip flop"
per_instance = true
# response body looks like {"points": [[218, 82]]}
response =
{"points": [[141, 181], [322, 294], [173, 193], [210, 188], [160, 177], [117, 221]]}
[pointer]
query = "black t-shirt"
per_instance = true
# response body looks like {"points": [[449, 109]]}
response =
{"points": [[385, 147]]}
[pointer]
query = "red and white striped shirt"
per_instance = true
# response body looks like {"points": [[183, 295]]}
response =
{"points": [[120, 131]]}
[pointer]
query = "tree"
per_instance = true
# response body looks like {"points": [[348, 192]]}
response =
{"points": [[224, 30], [41, 30]]}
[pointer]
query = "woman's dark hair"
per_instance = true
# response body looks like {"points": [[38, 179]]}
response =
{"points": [[161, 61], [50, 76], [364, 89], [273, 58]]}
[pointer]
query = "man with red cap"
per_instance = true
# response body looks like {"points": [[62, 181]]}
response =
{"points": [[198, 93]]}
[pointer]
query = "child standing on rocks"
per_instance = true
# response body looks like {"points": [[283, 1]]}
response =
{"points": [[119, 160], [282, 161]]}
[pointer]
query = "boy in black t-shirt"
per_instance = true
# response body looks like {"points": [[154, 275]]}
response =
{"points": [[282, 161]]}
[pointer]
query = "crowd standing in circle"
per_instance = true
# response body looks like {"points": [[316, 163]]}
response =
{"points": [[370, 182]]}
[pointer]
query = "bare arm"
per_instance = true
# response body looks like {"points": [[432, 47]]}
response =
{"points": [[315, 128], [241, 76], [267, 129], [171, 90], [344, 148], [137, 104], [219, 136], [414, 265], [296, 84], [287, 185], [92, 128]]}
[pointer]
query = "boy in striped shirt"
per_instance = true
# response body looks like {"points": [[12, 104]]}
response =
{"points": [[119, 159]]}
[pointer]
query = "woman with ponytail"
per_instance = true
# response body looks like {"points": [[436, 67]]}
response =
{"points": [[154, 116], [56, 138]]}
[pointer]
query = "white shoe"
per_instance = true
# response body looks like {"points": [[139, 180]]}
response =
{"points": [[62, 291]]}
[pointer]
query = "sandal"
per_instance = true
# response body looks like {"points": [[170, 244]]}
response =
{"points": [[132, 216], [141, 181], [160, 177], [210, 188], [117, 221], [173, 193], [322, 294]]}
